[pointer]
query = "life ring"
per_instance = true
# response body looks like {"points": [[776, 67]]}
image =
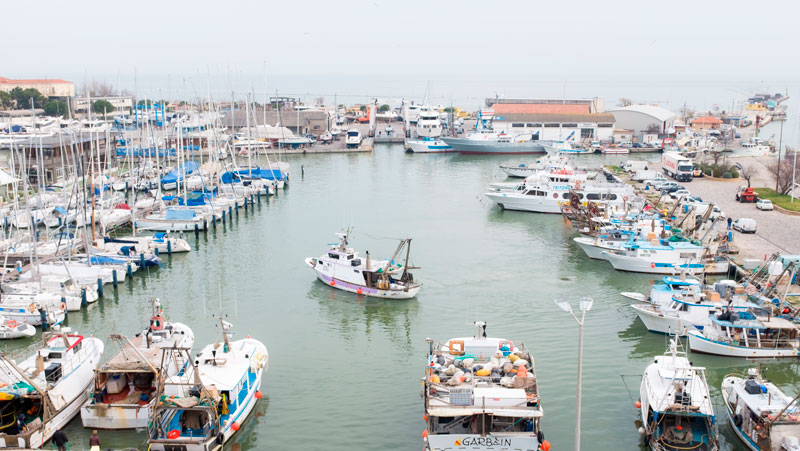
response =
{"points": [[11, 324], [456, 343], [508, 343], [156, 323], [63, 306]]}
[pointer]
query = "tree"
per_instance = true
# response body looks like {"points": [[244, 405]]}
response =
{"points": [[653, 129], [784, 180], [449, 110], [5, 100], [143, 102], [22, 97], [97, 88], [363, 108], [384, 108], [746, 172], [56, 108], [102, 106], [624, 101]]}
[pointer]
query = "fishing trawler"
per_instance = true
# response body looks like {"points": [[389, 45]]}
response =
{"points": [[122, 397], [481, 393], [41, 394], [761, 415], [203, 405], [342, 267], [742, 334], [675, 405]]}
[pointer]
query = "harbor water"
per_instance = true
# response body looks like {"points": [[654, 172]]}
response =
{"points": [[345, 370]]}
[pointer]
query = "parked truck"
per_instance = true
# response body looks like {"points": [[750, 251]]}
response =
{"points": [[677, 166], [635, 165]]}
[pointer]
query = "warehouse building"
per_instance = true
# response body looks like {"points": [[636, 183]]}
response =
{"points": [[577, 120], [645, 119]]}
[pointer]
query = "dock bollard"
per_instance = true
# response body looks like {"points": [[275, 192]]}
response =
{"points": [[141, 260], [43, 315], [156, 250], [100, 287], [245, 205], [205, 225], [196, 231], [214, 221], [258, 196], [130, 270], [223, 217], [84, 301], [114, 278], [230, 211], [169, 247], [5, 222]]}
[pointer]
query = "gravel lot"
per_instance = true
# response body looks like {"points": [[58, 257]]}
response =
{"points": [[776, 231]]}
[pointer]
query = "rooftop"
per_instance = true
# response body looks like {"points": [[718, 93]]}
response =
{"points": [[558, 117], [662, 114], [707, 120], [33, 81], [535, 108]]}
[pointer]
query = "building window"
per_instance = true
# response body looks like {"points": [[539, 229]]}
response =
{"points": [[517, 125], [531, 125], [569, 125], [605, 125], [552, 125], [587, 133]]}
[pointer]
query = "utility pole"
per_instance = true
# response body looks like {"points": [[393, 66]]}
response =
{"points": [[778, 175]]}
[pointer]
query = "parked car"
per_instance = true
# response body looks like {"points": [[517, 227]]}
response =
{"points": [[638, 145], [670, 187], [677, 194], [745, 225], [655, 182], [764, 204]]}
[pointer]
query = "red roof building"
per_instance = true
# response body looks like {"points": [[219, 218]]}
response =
{"points": [[706, 123], [48, 87]]}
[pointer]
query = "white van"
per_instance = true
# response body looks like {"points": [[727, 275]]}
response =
{"points": [[745, 225]]}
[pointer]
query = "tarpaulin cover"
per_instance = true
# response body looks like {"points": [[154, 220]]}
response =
{"points": [[174, 214]]}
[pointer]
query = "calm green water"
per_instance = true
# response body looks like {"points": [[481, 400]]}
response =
{"points": [[345, 371]]}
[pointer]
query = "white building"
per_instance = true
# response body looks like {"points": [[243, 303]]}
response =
{"points": [[121, 104], [48, 87], [643, 118], [575, 127]]}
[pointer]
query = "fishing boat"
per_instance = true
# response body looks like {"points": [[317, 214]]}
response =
{"points": [[429, 125], [549, 195], [485, 140], [205, 404], [658, 257], [122, 396], [352, 138], [481, 393], [566, 146], [428, 145], [342, 267], [551, 162], [742, 334], [10, 329], [760, 414], [675, 404], [615, 151], [45, 391]]}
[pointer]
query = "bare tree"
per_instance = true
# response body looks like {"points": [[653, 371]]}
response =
{"points": [[784, 179], [747, 173], [686, 113], [624, 101], [653, 129], [96, 88]]}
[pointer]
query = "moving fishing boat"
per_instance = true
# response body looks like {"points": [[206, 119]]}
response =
{"points": [[675, 405], [342, 267], [41, 394], [761, 415], [481, 393], [742, 334], [122, 397], [428, 145], [203, 405]]}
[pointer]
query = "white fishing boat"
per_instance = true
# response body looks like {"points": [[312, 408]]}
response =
{"points": [[550, 162], [565, 146], [33, 314], [206, 404], [45, 391], [549, 196], [342, 267], [161, 242], [741, 334], [658, 257], [174, 219], [615, 151], [675, 405], [481, 393], [124, 387], [10, 329], [760, 414], [429, 125], [428, 145]]}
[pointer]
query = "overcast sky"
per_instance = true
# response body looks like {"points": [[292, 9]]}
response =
{"points": [[702, 52]]}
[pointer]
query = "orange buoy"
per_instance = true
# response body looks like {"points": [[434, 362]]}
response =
{"points": [[424, 417], [546, 445], [235, 426], [652, 265], [359, 291], [638, 404], [259, 394], [333, 282], [173, 434], [12, 324], [425, 434]]}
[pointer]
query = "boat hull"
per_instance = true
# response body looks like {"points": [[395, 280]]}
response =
{"points": [[636, 264], [117, 416], [471, 146], [591, 249], [699, 343], [429, 147], [524, 203], [660, 323]]}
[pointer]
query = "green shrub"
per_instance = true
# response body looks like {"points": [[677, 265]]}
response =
{"points": [[727, 175]]}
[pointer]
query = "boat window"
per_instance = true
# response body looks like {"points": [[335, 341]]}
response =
{"points": [[565, 196], [350, 256], [593, 196], [580, 196], [54, 355], [612, 196], [333, 256]]}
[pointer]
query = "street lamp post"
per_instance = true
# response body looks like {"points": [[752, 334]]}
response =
{"points": [[585, 306]]}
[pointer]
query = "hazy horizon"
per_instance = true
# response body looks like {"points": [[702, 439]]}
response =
{"points": [[700, 53]]}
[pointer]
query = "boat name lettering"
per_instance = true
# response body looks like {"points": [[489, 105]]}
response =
{"points": [[561, 187], [485, 441]]}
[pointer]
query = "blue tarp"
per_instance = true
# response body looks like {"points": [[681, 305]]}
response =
{"points": [[61, 210], [177, 174], [179, 215]]}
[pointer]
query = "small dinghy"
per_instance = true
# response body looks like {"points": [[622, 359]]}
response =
{"points": [[10, 329]]}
